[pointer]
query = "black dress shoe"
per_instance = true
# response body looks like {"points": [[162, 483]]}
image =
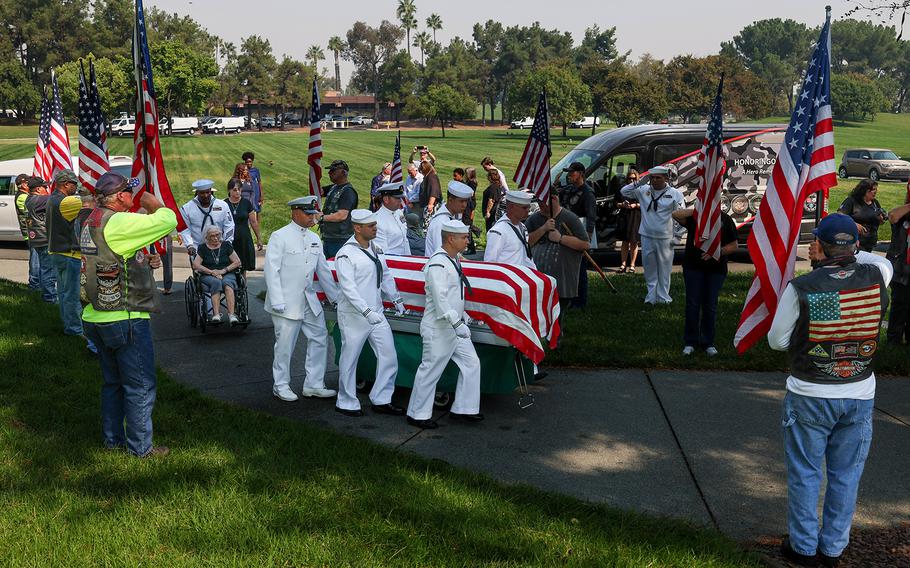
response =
{"points": [[353, 413], [539, 376], [828, 561], [795, 557], [388, 409], [425, 424], [466, 417]]}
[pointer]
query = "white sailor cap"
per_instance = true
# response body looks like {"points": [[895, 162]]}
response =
{"points": [[203, 185], [363, 216], [308, 204], [458, 189], [454, 226], [659, 171], [394, 189], [519, 197]]}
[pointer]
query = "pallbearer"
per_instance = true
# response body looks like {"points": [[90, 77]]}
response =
{"points": [[391, 228], [445, 333], [363, 277], [455, 205], [507, 240]]}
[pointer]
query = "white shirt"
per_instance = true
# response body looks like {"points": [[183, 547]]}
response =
{"points": [[433, 238], [196, 220], [357, 279], [784, 323], [505, 247], [412, 187], [655, 223], [444, 291], [502, 180], [293, 256], [392, 232]]}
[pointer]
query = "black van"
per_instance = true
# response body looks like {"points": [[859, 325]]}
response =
{"points": [[752, 153]]}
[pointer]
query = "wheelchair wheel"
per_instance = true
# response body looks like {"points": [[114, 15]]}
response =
{"points": [[190, 300], [202, 313], [242, 304], [443, 400]]}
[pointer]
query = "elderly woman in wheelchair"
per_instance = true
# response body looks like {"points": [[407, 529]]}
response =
{"points": [[215, 263]]}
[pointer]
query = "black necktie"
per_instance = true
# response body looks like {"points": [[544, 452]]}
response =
{"points": [[521, 238], [378, 264], [206, 214], [653, 205], [464, 279]]}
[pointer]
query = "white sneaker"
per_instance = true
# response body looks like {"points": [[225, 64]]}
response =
{"points": [[234, 319], [285, 394], [318, 393], [711, 351], [216, 318], [688, 350]]}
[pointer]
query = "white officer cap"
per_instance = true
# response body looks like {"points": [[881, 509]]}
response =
{"points": [[394, 189], [458, 189], [363, 216], [454, 226], [203, 185], [519, 197], [308, 204], [659, 171]]}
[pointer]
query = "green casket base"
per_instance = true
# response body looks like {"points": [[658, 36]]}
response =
{"points": [[498, 370]]}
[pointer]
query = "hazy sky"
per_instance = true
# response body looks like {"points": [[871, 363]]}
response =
{"points": [[660, 27]]}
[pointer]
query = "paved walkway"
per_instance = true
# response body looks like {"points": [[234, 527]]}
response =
{"points": [[704, 446]]}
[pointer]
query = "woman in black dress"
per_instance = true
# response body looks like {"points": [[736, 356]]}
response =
{"points": [[492, 198], [241, 209], [866, 212], [627, 229]]}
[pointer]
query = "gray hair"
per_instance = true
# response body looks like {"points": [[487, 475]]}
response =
{"points": [[213, 229], [833, 251]]}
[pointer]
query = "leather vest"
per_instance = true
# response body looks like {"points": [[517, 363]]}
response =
{"points": [[897, 252], [114, 283], [36, 207], [22, 213], [341, 230], [60, 232], [840, 311]]}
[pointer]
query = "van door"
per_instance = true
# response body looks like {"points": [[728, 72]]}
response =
{"points": [[607, 179], [9, 222]]}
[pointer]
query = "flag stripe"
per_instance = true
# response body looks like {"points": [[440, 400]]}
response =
{"points": [[533, 171]]}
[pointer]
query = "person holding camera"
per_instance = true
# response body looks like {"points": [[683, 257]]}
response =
{"points": [[865, 210], [425, 156]]}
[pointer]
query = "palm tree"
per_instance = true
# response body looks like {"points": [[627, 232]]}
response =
{"points": [[336, 45], [434, 22], [422, 40], [407, 14], [316, 54]]}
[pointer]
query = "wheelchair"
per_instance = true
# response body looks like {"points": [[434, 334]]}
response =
{"points": [[198, 302]]}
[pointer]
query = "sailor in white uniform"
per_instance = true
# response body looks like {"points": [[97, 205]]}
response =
{"points": [[658, 201], [363, 278], [203, 211], [455, 205], [445, 333], [391, 227], [507, 239], [293, 256]]}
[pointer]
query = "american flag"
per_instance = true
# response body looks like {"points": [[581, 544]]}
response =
{"points": [[41, 167], [712, 163], [148, 165], [805, 165], [534, 166], [845, 314], [59, 146], [396, 161], [93, 156], [314, 155]]}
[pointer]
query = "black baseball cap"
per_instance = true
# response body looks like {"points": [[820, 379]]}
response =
{"points": [[21, 178], [575, 167], [339, 165], [34, 182], [112, 182]]}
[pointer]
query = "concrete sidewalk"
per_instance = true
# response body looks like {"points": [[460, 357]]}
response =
{"points": [[703, 446]]}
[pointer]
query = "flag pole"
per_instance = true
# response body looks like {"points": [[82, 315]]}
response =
{"points": [[821, 201]]}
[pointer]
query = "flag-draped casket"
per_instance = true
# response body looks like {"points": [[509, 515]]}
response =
{"points": [[518, 304]]}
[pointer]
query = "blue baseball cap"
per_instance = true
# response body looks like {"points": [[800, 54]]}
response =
{"points": [[837, 229]]}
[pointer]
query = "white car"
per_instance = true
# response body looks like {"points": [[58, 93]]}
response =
{"points": [[585, 122], [362, 120], [9, 169], [123, 126], [526, 122]]}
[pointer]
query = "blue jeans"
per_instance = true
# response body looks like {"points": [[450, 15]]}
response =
{"points": [[47, 275], [34, 269], [331, 248], [837, 431], [68, 271], [702, 291], [128, 394]]}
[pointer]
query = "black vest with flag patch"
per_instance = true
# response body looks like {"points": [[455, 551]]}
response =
{"points": [[841, 305]]}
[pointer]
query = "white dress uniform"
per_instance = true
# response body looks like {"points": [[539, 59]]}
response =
{"points": [[656, 232], [198, 218], [363, 278], [507, 243], [433, 239], [293, 256], [441, 343], [392, 232]]}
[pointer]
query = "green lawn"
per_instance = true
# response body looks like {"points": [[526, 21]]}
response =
{"points": [[241, 488]]}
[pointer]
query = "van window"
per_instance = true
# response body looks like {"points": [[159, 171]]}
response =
{"points": [[7, 185], [586, 157], [610, 176]]}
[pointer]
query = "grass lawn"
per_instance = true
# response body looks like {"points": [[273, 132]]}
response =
{"points": [[241, 488], [619, 330]]}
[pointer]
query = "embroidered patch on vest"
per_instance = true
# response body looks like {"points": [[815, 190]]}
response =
{"points": [[867, 348], [86, 242], [819, 351], [843, 369], [108, 277], [841, 274], [845, 350]]}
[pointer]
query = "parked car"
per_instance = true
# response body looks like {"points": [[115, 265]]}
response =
{"points": [[266, 122], [178, 125], [289, 118], [9, 169], [123, 126], [526, 122], [224, 124], [874, 163], [585, 122], [362, 120]]}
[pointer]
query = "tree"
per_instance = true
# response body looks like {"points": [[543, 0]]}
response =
{"points": [[293, 81], [184, 78], [434, 22], [863, 47], [599, 45], [441, 102], [399, 78], [162, 26], [228, 89], [109, 36], [336, 46], [368, 48], [115, 85], [422, 41], [622, 95], [854, 95], [691, 84], [315, 54], [407, 15], [487, 39], [567, 97], [255, 69], [16, 91]]}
